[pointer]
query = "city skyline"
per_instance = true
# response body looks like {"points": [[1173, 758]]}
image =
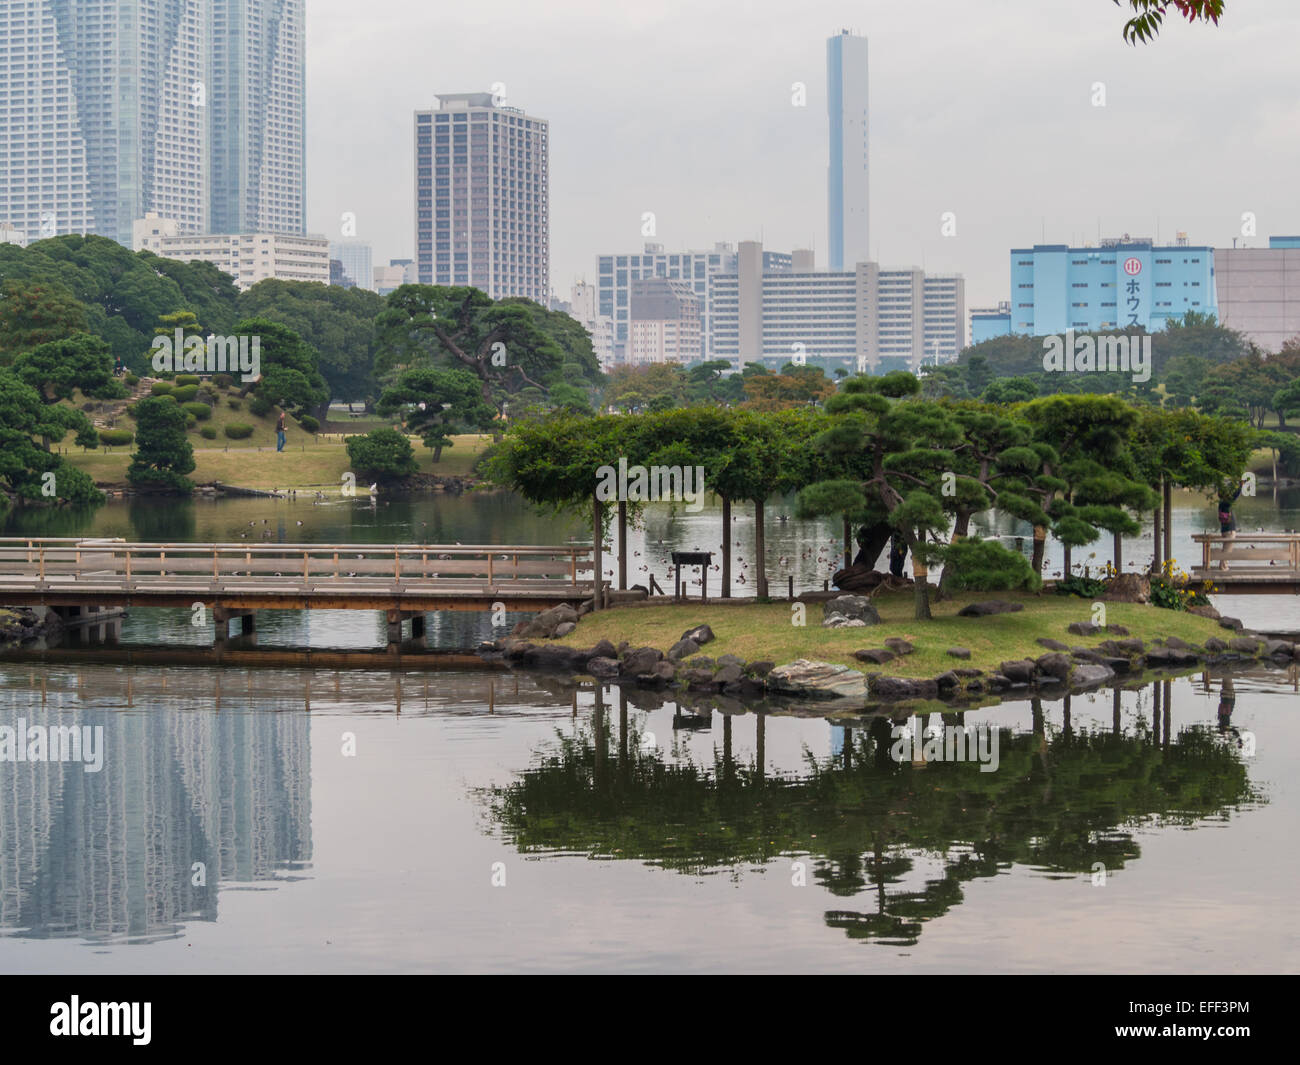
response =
{"points": [[718, 152]]}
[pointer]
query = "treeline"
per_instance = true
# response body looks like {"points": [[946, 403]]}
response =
{"points": [[886, 460]]}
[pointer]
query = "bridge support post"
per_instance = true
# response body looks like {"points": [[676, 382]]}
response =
{"points": [[394, 619], [222, 615]]}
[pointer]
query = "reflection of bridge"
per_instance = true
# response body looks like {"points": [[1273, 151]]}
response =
{"points": [[404, 580], [1250, 562]]}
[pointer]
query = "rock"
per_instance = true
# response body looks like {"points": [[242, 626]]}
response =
{"points": [[818, 679], [839, 621], [1083, 628], [1021, 671], [701, 634], [664, 670], [761, 668], [642, 660], [683, 649], [899, 645], [731, 660], [969, 672], [959, 652], [1117, 630], [866, 579], [603, 649], [1245, 645], [1176, 643], [987, 607], [893, 688], [1130, 647], [698, 680], [564, 628], [853, 607], [1053, 665], [1086, 654], [603, 668], [1215, 646], [1089, 674], [1050, 644], [623, 645], [1172, 656], [947, 681], [702, 662], [998, 682], [731, 674], [877, 655], [1128, 588], [1279, 648], [1230, 623], [545, 623], [1123, 666], [1205, 610], [518, 649], [551, 656]]}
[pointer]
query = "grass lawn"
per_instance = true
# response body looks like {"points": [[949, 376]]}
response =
{"points": [[308, 460], [758, 631]]}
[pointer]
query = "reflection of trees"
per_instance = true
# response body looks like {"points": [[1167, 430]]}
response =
{"points": [[1057, 803]]}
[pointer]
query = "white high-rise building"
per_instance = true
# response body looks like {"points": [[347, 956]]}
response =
{"points": [[357, 258], [482, 197], [192, 109], [253, 257], [584, 302], [847, 187]]}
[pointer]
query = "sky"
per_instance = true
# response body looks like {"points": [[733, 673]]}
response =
{"points": [[983, 108]]}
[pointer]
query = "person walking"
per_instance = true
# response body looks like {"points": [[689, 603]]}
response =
{"points": [[279, 432]]}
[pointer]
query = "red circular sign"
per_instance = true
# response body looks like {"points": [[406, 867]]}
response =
{"points": [[1132, 267]]}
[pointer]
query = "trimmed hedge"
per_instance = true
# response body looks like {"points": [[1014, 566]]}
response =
{"points": [[162, 388], [201, 411], [259, 406], [185, 393], [208, 432], [187, 379], [116, 437], [223, 380], [238, 431], [309, 423], [131, 380], [234, 403]]}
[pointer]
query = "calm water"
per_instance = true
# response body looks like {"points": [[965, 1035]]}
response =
{"points": [[339, 833], [307, 820]]}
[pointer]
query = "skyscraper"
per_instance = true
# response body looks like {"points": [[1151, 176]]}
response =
{"points": [[482, 197], [192, 109], [847, 193]]}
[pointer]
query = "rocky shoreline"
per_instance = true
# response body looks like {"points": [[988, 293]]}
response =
{"points": [[1061, 669], [20, 625]]}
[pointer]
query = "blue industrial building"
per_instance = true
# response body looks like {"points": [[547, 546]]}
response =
{"points": [[1116, 285]]}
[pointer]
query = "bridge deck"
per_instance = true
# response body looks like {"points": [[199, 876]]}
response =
{"points": [[58, 572], [1249, 562]]}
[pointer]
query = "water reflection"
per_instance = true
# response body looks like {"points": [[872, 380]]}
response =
{"points": [[186, 803], [899, 839]]}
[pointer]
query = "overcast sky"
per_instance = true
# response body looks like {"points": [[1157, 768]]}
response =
{"points": [[683, 108]]}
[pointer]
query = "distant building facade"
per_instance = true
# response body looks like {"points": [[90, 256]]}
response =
{"points": [[583, 303], [12, 235], [1259, 291], [482, 197], [847, 179], [356, 257], [989, 322], [254, 257], [664, 322]]}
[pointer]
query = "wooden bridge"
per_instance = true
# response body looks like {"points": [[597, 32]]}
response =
{"points": [[234, 580], [1260, 563]]}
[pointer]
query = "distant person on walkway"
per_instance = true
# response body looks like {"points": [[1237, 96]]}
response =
{"points": [[279, 432], [1227, 520]]}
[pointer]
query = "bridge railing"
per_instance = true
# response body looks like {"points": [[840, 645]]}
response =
{"points": [[1252, 555], [61, 561]]}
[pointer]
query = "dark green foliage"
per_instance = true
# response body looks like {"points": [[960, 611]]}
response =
{"points": [[309, 423], [259, 406], [986, 566], [384, 454], [238, 431], [437, 403], [1083, 586], [234, 403], [200, 411], [27, 427], [163, 455], [185, 393], [162, 388], [183, 379], [115, 437]]}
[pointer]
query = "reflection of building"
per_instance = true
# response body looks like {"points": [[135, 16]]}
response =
{"points": [[113, 853]]}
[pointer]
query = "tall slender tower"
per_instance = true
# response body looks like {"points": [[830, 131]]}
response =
{"points": [[847, 193]]}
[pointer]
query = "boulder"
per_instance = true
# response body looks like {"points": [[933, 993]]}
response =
{"points": [[683, 649], [1117, 630], [1021, 671], [702, 662], [839, 621], [817, 679], [1279, 648], [1050, 644], [1215, 646], [544, 624], [1129, 647], [551, 656], [899, 645], [853, 607], [959, 652], [564, 628], [603, 649], [701, 634], [1090, 674], [761, 668], [728, 675], [1205, 610], [987, 607], [699, 680], [1231, 623], [1083, 628], [893, 688], [947, 682], [1053, 665], [1245, 645], [1128, 588], [731, 660], [877, 655], [642, 660], [1086, 654], [1172, 656], [1176, 643], [603, 668], [861, 578]]}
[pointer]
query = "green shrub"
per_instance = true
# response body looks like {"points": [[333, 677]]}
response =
{"points": [[201, 411], [234, 402], [1084, 587], [208, 432], [384, 454], [986, 566], [309, 423], [223, 380], [131, 380], [238, 431], [185, 393], [162, 388], [116, 437], [187, 379], [190, 422], [260, 406]]}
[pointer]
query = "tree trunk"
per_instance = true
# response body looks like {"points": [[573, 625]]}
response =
{"points": [[1119, 553], [760, 548], [437, 454], [726, 548], [1168, 529], [1040, 548], [1155, 537], [1065, 565], [598, 556], [848, 543], [920, 586], [622, 545], [960, 529]]}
